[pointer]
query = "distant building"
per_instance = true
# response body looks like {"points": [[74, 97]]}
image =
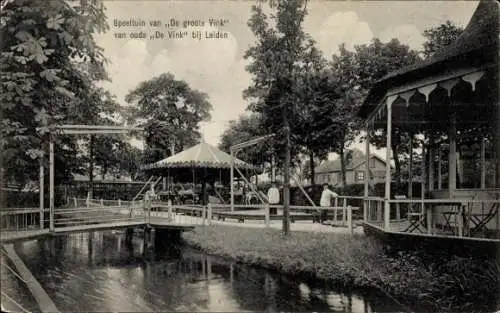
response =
{"points": [[329, 172]]}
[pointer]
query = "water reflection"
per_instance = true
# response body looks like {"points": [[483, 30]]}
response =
{"points": [[104, 272]]}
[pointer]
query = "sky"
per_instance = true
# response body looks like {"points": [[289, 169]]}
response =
{"points": [[217, 67]]}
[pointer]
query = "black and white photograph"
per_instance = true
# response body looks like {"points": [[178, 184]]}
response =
{"points": [[249, 156]]}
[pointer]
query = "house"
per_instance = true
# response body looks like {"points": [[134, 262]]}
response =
{"points": [[329, 172]]}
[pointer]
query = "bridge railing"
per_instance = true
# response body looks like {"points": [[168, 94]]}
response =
{"points": [[265, 214], [177, 214], [22, 219], [213, 214], [97, 211]]}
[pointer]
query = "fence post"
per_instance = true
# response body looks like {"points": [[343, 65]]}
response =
{"points": [[350, 227], [102, 202], [132, 207], [267, 216], [366, 208], [203, 214], [170, 215], [209, 214], [119, 202], [335, 211], [344, 211], [76, 202], [148, 206]]}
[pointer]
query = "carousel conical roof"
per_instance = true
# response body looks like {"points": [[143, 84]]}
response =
{"points": [[202, 155]]}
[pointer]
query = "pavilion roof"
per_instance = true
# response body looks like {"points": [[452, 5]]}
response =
{"points": [[476, 46]]}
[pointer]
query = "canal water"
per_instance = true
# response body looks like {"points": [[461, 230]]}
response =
{"points": [[99, 272]]}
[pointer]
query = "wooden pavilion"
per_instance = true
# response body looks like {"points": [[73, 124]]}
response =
{"points": [[450, 103]]}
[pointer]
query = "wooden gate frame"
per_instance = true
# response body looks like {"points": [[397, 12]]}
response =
{"points": [[71, 130]]}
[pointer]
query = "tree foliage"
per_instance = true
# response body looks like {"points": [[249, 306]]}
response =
{"points": [[49, 62], [170, 111], [371, 63], [288, 70], [439, 37], [247, 127]]}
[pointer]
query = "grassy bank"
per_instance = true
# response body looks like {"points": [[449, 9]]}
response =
{"points": [[360, 262]]}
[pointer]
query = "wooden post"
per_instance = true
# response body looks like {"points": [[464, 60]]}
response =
{"points": [[76, 202], [497, 148], [367, 174], [432, 158], [102, 202], [51, 184], [42, 205], [483, 164], [336, 205], [119, 202], [410, 170], [204, 214], [209, 268], [349, 220], [344, 211], [232, 180], [440, 166], [170, 213], [209, 217], [426, 210], [387, 205], [452, 157], [267, 215]]}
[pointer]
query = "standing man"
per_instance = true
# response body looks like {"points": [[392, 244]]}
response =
{"points": [[148, 197], [326, 201], [273, 195]]}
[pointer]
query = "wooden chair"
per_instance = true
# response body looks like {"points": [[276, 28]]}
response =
{"points": [[416, 218], [480, 220]]}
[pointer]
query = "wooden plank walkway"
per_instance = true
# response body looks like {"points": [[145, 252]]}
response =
{"points": [[42, 298]]}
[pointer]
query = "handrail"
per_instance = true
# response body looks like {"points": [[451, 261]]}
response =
{"points": [[437, 201], [13, 301]]}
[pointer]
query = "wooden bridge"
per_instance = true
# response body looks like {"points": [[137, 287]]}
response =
{"points": [[82, 215]]}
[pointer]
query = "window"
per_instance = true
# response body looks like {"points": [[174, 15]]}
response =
{"points": [[360, 176], [372, 162]]}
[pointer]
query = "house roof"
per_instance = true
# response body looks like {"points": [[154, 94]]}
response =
{"points": [[354, 158], [476, 46]]}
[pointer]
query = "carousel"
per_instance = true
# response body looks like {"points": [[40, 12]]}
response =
{"points": [[201, 173], [449, 105]]}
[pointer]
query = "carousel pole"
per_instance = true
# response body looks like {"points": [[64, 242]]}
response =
{"points": [[232, 180]]}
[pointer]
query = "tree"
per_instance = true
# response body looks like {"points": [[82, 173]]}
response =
{"points": [[344, 122], [439, 37], [274, 56], [45, 45], [314, 93], [170, 111]]}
